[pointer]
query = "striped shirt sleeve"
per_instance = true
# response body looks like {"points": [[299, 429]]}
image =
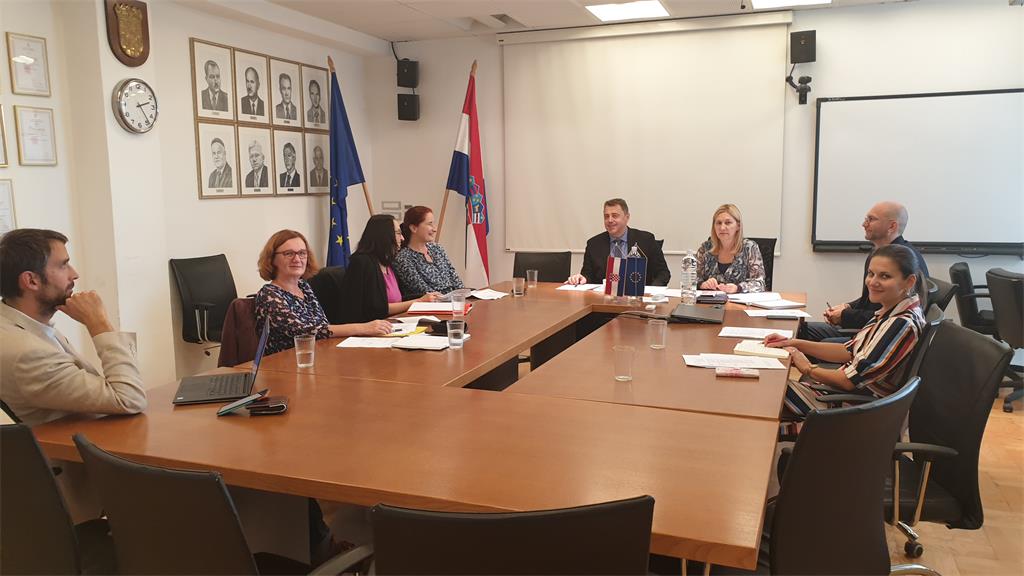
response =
{"points": [[885, 351]]}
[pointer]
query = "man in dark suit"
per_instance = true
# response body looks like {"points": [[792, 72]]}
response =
{"points": [[617, 239], [220, 177], [318, 175], [315, 114], [257, 177], [252, 104], [213, 97], [285, 110], [290, 176]]}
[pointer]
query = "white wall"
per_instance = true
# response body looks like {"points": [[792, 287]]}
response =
{"points": [[883, 49]]}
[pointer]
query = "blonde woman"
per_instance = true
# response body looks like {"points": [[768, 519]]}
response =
{"points": [[727, 261]]}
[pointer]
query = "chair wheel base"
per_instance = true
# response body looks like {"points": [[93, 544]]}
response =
{"points": [[913, 549]]}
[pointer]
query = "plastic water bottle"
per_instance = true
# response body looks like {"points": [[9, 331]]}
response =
{"points": [[688, 282]]}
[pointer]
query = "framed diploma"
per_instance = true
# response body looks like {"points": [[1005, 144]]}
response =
{"points": [[3, 139], [30, 68], [33, 129], [7, 220]]}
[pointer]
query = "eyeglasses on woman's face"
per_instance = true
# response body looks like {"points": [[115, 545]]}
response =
{"points": [[291, 254]]}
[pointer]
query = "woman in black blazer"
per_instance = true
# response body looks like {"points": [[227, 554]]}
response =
{"points": [[370, 290]]}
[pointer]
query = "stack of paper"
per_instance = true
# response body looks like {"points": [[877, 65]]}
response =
{"points": [[778, 304], [366, 342], [488, 294], [436, 307], [731, 361], [748, 297], [744, 332], [424, 342], [794, 314], [756, 348]]}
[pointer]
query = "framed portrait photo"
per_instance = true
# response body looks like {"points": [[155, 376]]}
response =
{"points": [[252, 75], [285, 93], [29, 64], [3, 139], [217, 160], [211, 87], [318, 163], [255, 157], [8, 221], [289, 158], [33, 128], [316, 92]]}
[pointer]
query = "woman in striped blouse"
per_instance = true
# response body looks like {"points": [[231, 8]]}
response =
{"points": [[874, 360]]}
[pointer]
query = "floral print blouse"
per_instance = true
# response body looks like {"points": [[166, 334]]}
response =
{"points": [[289, 315], [746, 270], [416, 276]]}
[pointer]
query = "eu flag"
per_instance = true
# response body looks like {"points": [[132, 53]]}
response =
{"points": [[345, 171]]}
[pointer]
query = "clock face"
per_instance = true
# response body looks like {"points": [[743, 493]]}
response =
{"points": [[135, 105]]}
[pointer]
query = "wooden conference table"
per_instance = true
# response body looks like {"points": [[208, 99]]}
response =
{"points": [[397, 429]]}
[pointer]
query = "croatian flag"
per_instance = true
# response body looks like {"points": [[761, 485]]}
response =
{"points": [[466, 177], [625, 276]]}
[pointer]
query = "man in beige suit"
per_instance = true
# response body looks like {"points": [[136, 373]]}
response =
{"points": [[42, 377]]}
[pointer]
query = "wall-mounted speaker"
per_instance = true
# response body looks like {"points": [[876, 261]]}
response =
{"points": [[801, 47], [408, 107], [408, 73]]}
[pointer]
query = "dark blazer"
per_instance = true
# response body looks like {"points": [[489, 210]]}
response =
{"points": [[363, 295], [248, 108], [595, 259], [286, 113], [318, 177], [254, 181], [218, 102], [292, 182], [863, 309]]}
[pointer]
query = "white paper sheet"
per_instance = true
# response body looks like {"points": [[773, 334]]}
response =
{"points": [[578, 287], [366, 342], [488, 294], [416, 319], [745, 298], [744, 332], [673, 293], [778, 304], [436, 307], [787, 313], [731, 361], [756, 348]]}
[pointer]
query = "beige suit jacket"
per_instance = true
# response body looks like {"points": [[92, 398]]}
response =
{"points": [[41, 382]]}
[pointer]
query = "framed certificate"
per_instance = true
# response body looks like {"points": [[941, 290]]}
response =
{"points": [[30, 68], [7, 219], [3, 139], [33, 129]]}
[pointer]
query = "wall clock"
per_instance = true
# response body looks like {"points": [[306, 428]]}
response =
{"points": [[135, 106]]}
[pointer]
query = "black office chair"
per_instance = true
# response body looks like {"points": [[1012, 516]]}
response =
{"points": [[206, 289], [181, 522], [944, 293], [960, 371], [326, 285], [967, 296], [767, 247], [1007, 291], [608, 538], [550, 266], [827, 518], [36, 533]]}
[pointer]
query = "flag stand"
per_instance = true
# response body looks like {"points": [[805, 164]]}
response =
{"points": [[444, 202], [366, 190]]}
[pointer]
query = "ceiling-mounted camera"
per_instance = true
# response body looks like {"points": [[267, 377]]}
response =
{"points": [[802, 87]]}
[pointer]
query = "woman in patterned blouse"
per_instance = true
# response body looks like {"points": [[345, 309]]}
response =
{"points": [[286, 262], [727, 261], [422, 265], [873, 361]]}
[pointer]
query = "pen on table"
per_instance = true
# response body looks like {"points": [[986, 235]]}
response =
{"points": [[828, 304]]}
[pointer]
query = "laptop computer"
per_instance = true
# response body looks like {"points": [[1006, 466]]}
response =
{"points": [[698, 314], [221, 387]]}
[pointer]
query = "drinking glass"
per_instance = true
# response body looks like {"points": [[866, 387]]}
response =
{"points": [[656, 331], [531, 278], [623, 362], [459, 303], [456, 333], [305, 350], [518, 286]]}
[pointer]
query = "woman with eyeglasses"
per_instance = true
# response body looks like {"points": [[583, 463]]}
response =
{"points": [[286, 262], [370, 289]]}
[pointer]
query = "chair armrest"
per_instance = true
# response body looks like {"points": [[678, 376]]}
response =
{"points": [[976, 296], [846, 399], [344, 562], [825, 388], [928, 451], [203, 305]]}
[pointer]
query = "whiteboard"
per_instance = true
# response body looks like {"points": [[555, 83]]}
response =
{"points": [[675, 123], [955, 160]]}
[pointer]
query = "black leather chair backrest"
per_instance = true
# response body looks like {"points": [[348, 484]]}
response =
{"points": [[966, 307], [932, 321], [943, 294], [1007, 290], [36, 533], [767, 247], [834, 484], [960, 373], [550, 266], [167, 521], [326, 285], [608, 538], [205, 285]]}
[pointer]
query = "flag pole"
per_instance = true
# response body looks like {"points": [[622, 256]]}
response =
{"points": [[366, 191], [444, 203]]}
